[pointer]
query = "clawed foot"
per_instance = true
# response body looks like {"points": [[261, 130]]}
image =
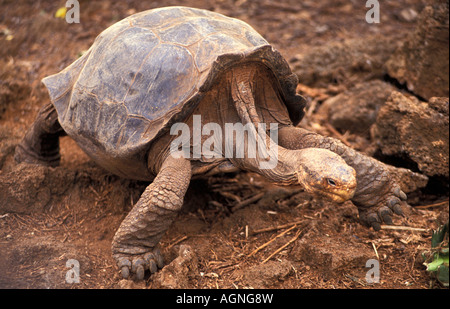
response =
{"points": [[138, 264], [384, 208]]}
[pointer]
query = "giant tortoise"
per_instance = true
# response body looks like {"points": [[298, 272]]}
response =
{"points": [[160, 68]]}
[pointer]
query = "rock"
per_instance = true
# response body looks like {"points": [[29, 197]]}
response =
{"points": [[331, 254], [130, 284], [179, 273], [264, 275], [408, 180], [44, 258], [422, 62], [418, 130], [30, 188], [408, 14], [349, 62], [356, 110], [7, 145]]}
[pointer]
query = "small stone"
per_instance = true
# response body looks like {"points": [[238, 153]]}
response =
{"points": [[408, 14]]}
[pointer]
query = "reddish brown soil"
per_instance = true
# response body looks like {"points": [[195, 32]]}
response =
{"points": [[74, 210]]}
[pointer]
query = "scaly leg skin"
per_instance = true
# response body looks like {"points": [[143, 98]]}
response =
{"points": [[135, 243], [378, 194], [41, 143]]}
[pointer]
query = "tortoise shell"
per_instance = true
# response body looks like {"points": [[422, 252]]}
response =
{"points": [[150, 70]]}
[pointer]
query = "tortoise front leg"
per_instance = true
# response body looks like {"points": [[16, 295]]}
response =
{"points": [[41, 143], [135, 243], [378, 194]]}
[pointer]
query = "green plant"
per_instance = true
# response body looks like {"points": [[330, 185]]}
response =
{"points": [[436, 260]]}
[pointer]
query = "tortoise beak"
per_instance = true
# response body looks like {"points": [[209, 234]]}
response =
{"points": [[344, 194], [343, 191]]}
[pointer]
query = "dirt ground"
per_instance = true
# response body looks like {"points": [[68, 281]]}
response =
{"points": [[284, 239]]}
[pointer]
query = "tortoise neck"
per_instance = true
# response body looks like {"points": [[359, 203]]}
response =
{"points": [[270, 160], [277, 165], [284, 172]]}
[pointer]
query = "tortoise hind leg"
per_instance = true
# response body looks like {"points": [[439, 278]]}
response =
{"points": [[41, 143], [135, 244]]}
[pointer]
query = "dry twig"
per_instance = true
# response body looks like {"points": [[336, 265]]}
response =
{"points": [[341, 137], [403, 228], [248, 201], [272, 240], [275, 228], [376, 252], [229, 195], [282, 247], [177, 242], [432, 205]]}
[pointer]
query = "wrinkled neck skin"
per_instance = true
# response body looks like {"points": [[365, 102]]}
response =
{"points": [[282, 163], [285, 172]]}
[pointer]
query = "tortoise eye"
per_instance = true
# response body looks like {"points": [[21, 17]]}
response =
{"points": [[331, 182]]}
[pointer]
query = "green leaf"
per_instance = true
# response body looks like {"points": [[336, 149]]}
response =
{"points": [[442, 274], [439, 235], [433, 266]]}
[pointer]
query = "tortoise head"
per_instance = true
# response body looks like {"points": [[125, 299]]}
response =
{"points": [[325, 173]]}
